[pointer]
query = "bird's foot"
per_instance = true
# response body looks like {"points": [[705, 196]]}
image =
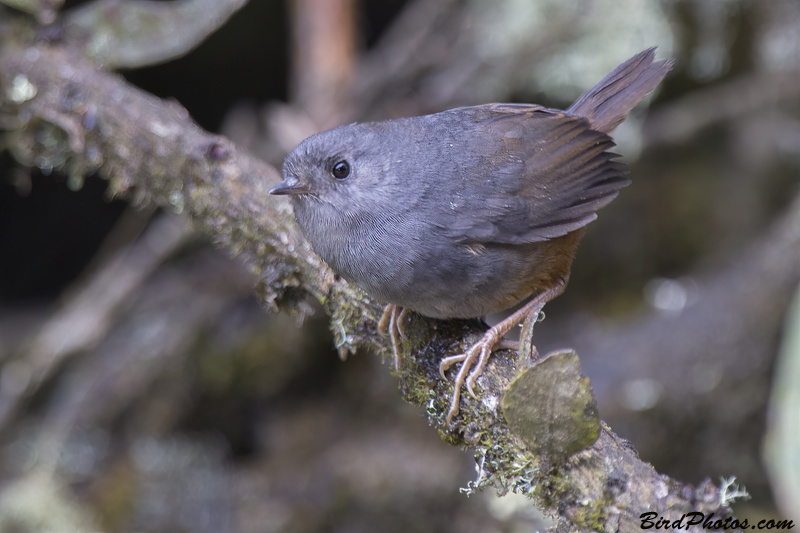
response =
{"points": [[391, 323], [475, 358], [472, 363]]}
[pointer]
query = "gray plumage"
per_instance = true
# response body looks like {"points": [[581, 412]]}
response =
{"points": [[468, 211]]}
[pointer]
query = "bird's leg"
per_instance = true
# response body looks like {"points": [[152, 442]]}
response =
{"points": [[392, 323], [478, 354], [495, 334], [401, 318], [386, 317]]}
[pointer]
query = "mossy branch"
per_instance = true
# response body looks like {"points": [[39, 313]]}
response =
{"points": [[58, 111]]}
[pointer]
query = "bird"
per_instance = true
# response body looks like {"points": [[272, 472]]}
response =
{"points": [[465, 212]]}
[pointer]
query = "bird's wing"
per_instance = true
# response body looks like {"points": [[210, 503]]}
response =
{"points": [[543, 174]]}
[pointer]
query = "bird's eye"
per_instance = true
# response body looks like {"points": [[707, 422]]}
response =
{"points": [[340, 170]]}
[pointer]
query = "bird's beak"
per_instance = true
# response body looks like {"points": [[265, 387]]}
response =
{"points": [[290, 185]]}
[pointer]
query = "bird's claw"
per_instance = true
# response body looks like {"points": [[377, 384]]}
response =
{"points": [[447, 362]]}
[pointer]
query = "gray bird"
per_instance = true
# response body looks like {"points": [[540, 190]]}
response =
{"points": [[465, 212]]}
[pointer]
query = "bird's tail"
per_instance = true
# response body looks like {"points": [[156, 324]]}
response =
{"points": [[606, 104]]}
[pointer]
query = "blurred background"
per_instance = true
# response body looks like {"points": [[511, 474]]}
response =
{"points": [[143, 387]]}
